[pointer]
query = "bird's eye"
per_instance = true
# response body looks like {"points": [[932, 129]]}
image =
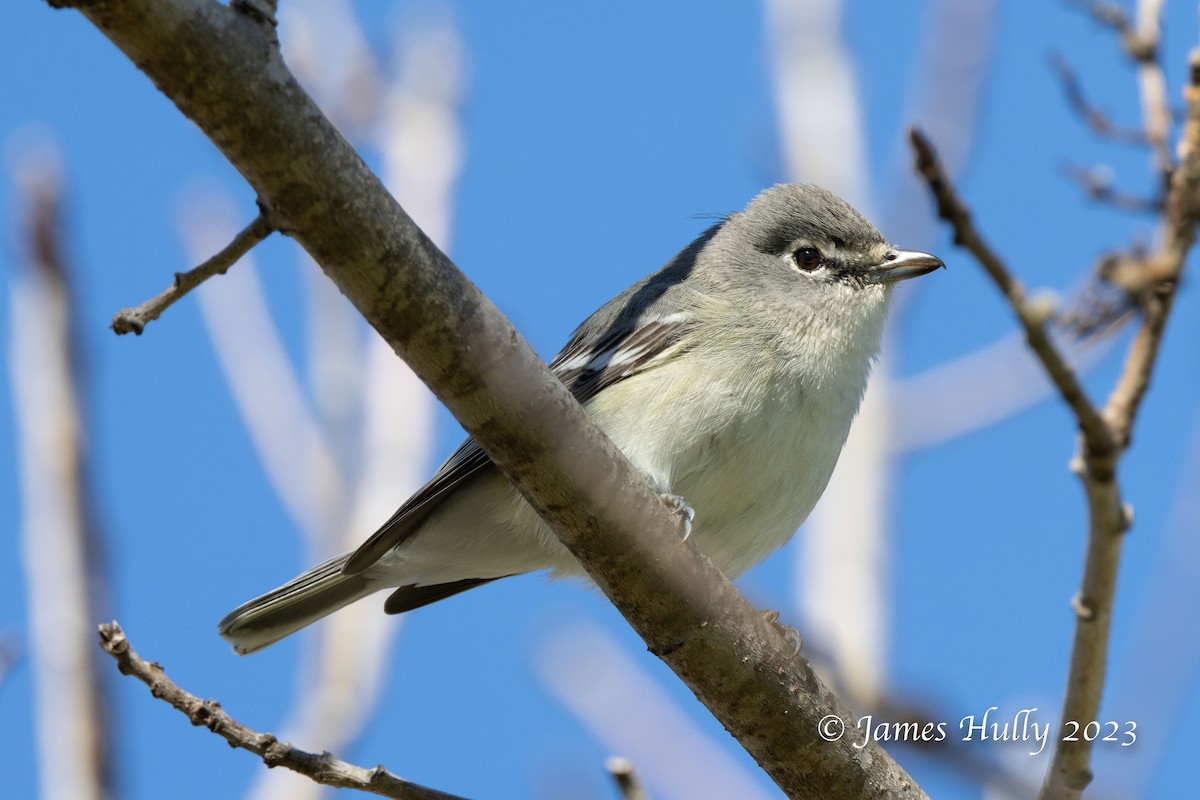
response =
{"points": [[807, 258]]}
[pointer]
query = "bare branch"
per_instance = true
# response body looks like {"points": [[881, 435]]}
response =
{"points": [[1109, 15], [1097, 182], [1166, 266], [1143, 45], [624, 775], [1070, 768], [1141, 40], [1104, 437], [134, 320], [951, 209], [61, 545], [322, 768], [1093, 117]]}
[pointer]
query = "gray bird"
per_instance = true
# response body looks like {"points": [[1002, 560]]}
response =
{"points": [[730, 377]]}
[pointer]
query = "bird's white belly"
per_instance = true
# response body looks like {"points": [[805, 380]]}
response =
{"points": [[762, 481], [752, 478]]}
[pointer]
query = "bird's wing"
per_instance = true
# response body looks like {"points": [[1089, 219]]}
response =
{"points": [[590, 362]]}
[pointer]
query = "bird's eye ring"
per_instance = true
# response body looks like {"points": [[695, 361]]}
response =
{"points": [[808, 258]]}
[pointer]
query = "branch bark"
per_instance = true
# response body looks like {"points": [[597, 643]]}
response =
{"points": [[322, 768], [222, 70]]}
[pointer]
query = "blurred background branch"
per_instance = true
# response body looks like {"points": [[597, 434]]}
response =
{"points": [[65, 568]]}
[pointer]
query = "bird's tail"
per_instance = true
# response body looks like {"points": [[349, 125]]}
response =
{"points": [[299, 602]]}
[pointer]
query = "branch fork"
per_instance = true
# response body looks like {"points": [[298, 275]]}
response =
{"points": [[1104, 435]]}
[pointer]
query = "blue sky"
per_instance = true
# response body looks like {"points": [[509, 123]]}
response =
{"points": [[596, 145]]}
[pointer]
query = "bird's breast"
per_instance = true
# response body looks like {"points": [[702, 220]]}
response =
{"points": [[750, 450]]}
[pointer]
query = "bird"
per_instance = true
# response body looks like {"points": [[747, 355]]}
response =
{"points": [[730, 378]]}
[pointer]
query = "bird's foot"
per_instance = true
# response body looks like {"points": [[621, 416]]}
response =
{"points": [[682, 510], [789, 633]]}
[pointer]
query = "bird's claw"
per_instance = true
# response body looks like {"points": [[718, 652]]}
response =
{"points": [[789, 633], [682, 509]]}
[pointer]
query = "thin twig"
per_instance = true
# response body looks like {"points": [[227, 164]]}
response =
{"points": [[1098, 184], [1093, 117], [952, 210], [322, 768], [1179, 235], [1141, 40], [1109, 15], [626, 778], [134, 320], [1142, 44]]}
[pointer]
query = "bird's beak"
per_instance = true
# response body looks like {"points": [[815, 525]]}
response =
{"points": [[900, 265]]}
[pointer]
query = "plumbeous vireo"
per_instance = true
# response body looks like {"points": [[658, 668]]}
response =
{"points": [[730, 377]]}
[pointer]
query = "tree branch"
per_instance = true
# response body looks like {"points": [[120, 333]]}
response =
{"points": [[1143, 45], [1165, 267], [1093, 117], [1106, 435], [225, 74], [1141, 40], [951, 209], [322, 768], [62, 544], [1070, 767], [134, 320], [626, 779], [1097, 183]]}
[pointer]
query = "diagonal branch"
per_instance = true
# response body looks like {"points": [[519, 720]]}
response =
{"points": [[134, 320], [1093, 117], [322, 768], [1033, 320]]}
